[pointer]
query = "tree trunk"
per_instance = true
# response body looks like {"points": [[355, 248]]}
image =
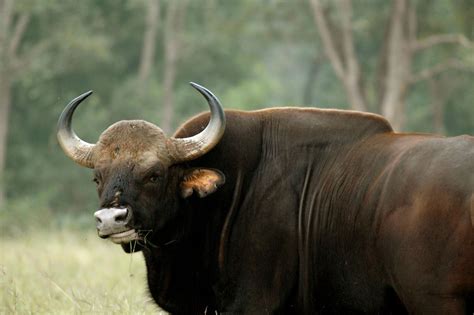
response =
{"points": [[398, 70], [172, 42], [344, 61], [149, 43], [353, 77], [5, 89], [12, 30], [5, 101]]}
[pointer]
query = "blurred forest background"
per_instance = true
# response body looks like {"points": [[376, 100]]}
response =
{"points": [[411, 61]]}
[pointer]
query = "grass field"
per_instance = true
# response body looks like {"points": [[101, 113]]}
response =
{"points": [[70, 272]]}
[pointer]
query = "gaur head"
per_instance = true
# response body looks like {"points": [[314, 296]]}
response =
{"points": [[137, 173]]}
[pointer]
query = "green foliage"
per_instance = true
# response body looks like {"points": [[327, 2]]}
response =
{"points": [[252, 54]]}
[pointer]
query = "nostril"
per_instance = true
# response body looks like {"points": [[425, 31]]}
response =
{"points": [[98, 220]]}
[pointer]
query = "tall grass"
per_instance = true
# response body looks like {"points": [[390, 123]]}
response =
{"points": [[70, 272]]}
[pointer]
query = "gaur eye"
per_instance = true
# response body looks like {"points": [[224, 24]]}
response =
{"points": [[96, 180], [153, 178]]}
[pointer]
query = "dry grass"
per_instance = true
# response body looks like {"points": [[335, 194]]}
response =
{"points": [[70, 272]]}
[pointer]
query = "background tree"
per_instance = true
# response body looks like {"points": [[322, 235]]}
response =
{"points": [[148, 55], [175, 16], [400, 46], [13, 24]]}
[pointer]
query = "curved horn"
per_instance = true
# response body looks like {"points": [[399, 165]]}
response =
{"points": [[75, 148], [196, 146]]}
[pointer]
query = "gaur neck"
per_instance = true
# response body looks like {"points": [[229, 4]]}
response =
{"points": [[178, 279]]}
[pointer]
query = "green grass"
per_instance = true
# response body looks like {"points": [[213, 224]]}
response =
{"points": [[70, 272]]}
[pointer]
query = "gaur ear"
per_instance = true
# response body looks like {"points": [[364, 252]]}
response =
{"points": [[203, 181]]}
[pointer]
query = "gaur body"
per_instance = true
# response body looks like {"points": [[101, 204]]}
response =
{"points": [[289, 210]]}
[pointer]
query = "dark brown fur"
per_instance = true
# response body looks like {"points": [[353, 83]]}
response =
{"points": [[321, 211]]}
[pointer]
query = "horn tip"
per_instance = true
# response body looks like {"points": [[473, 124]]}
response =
{"points": [[198, 86], [83, 96], [201, 89], [195, 85]]}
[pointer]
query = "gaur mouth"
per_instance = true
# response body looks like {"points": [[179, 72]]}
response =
{"points": [[124, 237]]}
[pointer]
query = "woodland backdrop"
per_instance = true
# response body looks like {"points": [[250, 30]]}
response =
{"points": [[411, 61]]}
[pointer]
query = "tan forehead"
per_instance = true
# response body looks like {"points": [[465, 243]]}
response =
{"points": [[135, 141], [148, 159]]}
